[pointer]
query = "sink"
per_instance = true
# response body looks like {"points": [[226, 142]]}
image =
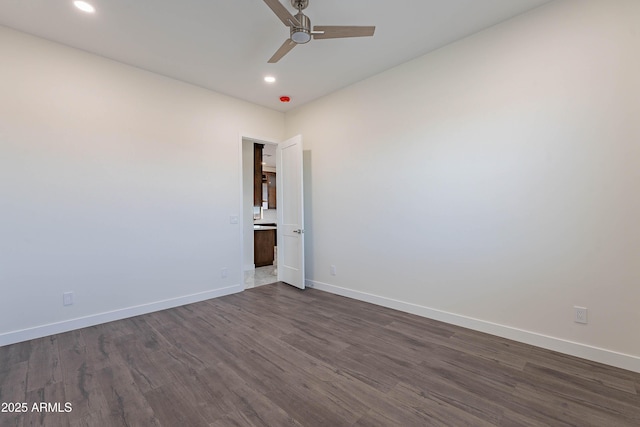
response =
{"points": [[264, 226]]}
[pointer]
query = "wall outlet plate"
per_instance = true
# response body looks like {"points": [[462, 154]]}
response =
{"points": [[67, 298], [580, 314]]}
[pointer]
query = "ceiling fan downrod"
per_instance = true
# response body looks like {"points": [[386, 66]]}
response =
{"points": [[300, 4]]}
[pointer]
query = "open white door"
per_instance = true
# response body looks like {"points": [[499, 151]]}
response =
{"points": [[290, 212]]}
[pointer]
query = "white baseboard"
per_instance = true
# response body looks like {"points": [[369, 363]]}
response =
{"points": [[596, 354], [96, 319]]}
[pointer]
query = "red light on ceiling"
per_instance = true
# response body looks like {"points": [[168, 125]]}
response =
{"points": [[285, 99]]}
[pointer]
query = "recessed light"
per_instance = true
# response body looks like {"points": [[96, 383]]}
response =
{"points": [[270, 79], [84, 6]]}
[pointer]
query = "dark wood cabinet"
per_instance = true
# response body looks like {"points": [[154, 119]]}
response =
{"points": [[257, 174], [263, 247]]}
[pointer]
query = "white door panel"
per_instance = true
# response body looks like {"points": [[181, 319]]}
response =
{"points": [[290, 212]]}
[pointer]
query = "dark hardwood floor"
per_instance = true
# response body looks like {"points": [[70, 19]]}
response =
{"points": [[278, 356]]}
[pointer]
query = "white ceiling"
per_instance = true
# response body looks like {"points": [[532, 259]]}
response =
{"points": [[224, 45]]}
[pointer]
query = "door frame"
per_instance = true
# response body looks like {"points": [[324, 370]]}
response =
{"points": [[260, 140]]}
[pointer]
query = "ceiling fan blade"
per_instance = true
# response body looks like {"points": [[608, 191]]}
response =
{"points": [[285, 16], [284, 49], [342, 31]]}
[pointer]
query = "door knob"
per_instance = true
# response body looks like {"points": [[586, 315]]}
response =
{"points": [[298, 231]]}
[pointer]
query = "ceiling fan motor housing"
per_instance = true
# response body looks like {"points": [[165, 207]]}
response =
{"points": [[301, 34]]}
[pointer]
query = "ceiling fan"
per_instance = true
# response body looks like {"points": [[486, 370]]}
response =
{"points": [[300, 28]]}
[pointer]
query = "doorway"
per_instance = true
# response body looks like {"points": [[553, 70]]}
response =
{"points": [[259, 212], [289, 226]]}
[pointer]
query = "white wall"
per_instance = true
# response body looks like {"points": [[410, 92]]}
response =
{"points": [[492, 183], [116, 184]]}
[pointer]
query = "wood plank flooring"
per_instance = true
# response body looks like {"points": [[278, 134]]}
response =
{"points": [[278, 356]]}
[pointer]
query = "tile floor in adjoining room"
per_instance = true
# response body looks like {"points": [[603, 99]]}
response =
{"points": [[260, 276]]}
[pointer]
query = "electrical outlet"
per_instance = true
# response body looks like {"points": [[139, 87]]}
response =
{"points": [[224, 272], [67, 298], [580, 314], [332, 269]]}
